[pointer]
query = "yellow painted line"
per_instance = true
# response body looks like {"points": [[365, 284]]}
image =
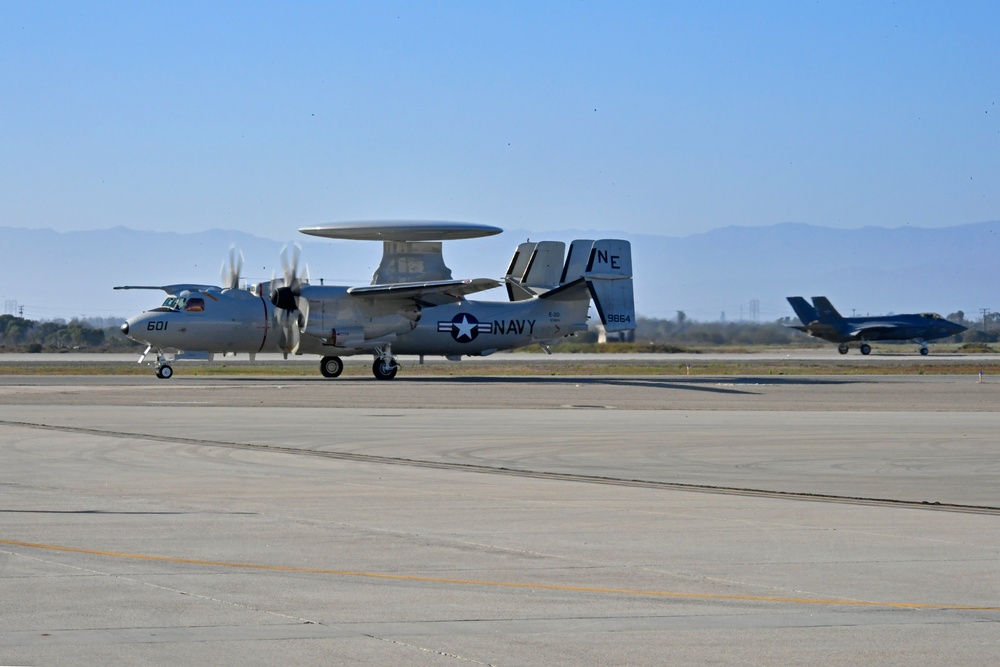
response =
{"points": [[499, 584]]}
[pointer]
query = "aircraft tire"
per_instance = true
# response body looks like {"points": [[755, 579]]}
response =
{"points": [[924, 351], [331, 367], [165, 372], [866, 349], [384, 371], [843, 348]]}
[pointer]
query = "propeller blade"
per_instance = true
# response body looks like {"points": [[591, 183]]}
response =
{"points": [[290, 266], [286, 296], [295, 334], [302, 304], [288, 339], [232, 269]]}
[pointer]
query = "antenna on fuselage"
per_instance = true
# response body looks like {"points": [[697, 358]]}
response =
{"points": [[411, 249]]}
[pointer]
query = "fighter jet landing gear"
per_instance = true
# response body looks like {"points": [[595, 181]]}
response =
{"points": [[866, 349], [385, 366], [843, 348], [924, 351], [331, 367]]}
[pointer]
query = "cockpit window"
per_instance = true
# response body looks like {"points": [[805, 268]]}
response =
{"points": [[190, 304], [933, 316], [171, 303]]}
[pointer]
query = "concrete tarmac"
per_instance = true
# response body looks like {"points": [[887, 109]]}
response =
{"points": [[500, 521]]}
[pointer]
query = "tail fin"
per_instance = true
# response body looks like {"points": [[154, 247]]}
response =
{"points": [[518, 263], [827, 313], [534, 269], [802, 308], [576, 260], [609, 276]]}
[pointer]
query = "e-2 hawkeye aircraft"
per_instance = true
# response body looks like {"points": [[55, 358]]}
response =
{"points": [[413, 305], [823, 321]]}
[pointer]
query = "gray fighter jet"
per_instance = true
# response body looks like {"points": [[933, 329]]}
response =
{"points": [[822, 320]]}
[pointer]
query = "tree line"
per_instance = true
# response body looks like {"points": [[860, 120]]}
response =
{"points": [[18, 334], [22, 335]]}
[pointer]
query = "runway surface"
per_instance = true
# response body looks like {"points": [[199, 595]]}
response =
{"points": [[500, 521]]}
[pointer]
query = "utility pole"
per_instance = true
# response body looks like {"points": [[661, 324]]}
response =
{"points": [[985, 312]]}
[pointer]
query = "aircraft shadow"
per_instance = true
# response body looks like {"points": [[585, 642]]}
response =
{"points": [[716, 384], [2, 511], [722, 384]]}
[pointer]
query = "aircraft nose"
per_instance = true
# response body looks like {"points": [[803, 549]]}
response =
{"points": [[124, 329]]}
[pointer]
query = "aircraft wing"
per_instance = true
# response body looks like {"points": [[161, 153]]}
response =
{"points": [[433, 293], [864, 330], [174, 289]]}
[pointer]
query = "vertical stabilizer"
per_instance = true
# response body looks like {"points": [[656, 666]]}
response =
{"points": [[516, 270], [609, 276], [827, 313], [534, 269], [545, 266], [576, 260], [802, 308]]}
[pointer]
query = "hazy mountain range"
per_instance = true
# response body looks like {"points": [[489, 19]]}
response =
{"points": [[872, 270]]}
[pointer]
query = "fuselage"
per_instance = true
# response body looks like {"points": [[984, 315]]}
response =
{"points": [[231, 320], [922, 327], [238, 321]]}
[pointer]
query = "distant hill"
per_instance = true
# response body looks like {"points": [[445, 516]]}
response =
{"points": [[872, 270]]}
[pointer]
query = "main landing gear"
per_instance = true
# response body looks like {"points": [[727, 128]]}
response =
{"points": [[385, 366], [331, 367], [866, 349]]}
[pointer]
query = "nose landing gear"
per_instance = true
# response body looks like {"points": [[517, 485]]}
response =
{"points": [[162, 364]]}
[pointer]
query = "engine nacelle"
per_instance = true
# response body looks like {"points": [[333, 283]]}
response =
{"points": [[390, 323], [338, 319], [347, 337]]}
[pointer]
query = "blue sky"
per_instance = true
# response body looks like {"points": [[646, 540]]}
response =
{"points": [[658, 117]]}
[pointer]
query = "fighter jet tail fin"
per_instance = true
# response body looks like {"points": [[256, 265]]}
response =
{"points": [[803, 309], [608, 273], [825, 311]]}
